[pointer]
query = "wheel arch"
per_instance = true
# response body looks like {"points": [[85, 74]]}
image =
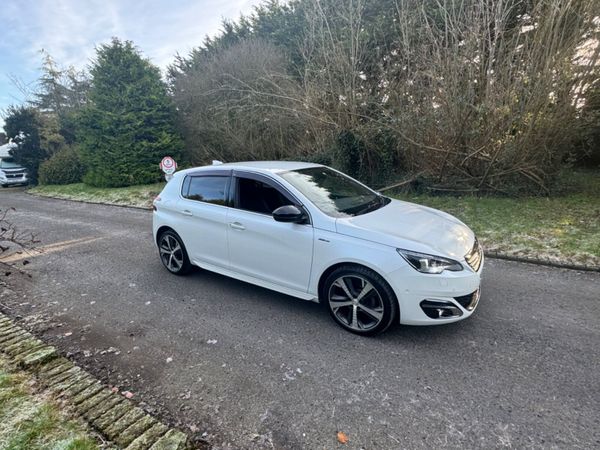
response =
{"points": [[162, 229], [337, 265]]}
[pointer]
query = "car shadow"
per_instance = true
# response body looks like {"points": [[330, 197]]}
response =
{"points": [[269, 302]]}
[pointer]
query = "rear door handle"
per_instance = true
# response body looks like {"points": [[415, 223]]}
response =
{"points": [[186, 212], [237, 226]]}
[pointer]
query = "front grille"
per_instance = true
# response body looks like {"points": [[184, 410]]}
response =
{"points": [[14, 175], [469, 302], [475, 256]]}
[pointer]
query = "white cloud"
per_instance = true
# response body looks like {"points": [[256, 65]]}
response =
{"points": [[70, 29]]}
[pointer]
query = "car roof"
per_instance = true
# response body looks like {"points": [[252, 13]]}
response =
{"points": [[258, 166]]}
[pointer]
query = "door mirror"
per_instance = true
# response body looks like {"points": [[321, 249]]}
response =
{"points": [[289, 213]]}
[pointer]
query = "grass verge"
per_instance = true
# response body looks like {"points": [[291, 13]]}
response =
{"points": [[140, 196], [30, 420], [564, 228]]}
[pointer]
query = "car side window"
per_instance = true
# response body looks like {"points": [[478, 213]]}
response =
{"points": [[256, 196], [208, 189]]}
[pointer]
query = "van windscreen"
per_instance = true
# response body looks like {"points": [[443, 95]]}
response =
{"points": [[8, 163]]}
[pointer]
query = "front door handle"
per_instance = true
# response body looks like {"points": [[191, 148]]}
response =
{"points": [[237, 226], [186, 212]]}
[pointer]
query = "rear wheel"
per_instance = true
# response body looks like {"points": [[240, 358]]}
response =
{"points": [[360, 300], [173, 254]]}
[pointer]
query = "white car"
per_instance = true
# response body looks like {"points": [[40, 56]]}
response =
{"points": [[311, 232]]}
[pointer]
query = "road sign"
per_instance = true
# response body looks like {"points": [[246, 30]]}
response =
{"points": [[168, 165]]}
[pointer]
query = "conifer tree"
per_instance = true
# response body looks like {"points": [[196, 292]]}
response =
{"points": [[127, 126]]}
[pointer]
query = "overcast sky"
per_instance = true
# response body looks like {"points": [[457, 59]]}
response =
{"points": [[69, 29]]}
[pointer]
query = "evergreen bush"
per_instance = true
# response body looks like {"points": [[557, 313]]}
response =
{"points": [[127, 126], [64, 167]]}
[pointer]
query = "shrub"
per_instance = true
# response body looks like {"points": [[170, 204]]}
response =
{"points": [[64, 167], [243, 105], [475, 95]]}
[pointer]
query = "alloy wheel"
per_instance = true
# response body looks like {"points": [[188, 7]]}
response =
{"points": [[356, 303], [171, 253]]}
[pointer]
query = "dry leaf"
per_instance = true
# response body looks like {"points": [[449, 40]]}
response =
{"points": [[342, 437], [127, 394]]}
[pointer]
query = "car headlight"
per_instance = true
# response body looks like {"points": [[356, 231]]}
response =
{"points": [[429, 263]]}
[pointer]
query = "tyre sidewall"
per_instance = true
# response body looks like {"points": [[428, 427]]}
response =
{"points": [[390, 303], [186, 266]]}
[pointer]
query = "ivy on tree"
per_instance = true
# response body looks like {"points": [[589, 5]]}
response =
{"points": [[127, 126]]}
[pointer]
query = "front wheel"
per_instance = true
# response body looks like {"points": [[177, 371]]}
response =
{"points": [[173, 254], [360, 300]]}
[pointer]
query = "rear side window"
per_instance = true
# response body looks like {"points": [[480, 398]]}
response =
{"points": [[208, 189]]}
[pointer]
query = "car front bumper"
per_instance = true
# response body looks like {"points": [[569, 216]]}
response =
{"points": [[13, 181], [433, 299]]}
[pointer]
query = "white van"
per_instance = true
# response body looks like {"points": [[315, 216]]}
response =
{"points": [[11, 173]]}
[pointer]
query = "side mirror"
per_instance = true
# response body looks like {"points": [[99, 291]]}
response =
{"points": [[289, 213]]}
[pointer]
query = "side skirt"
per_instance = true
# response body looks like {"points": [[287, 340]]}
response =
{"points": [[258, 282]]}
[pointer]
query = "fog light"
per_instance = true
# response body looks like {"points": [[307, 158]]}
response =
{"points": [[437, 309]]}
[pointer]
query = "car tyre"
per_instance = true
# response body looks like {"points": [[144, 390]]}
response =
{"points": [[173, 254], [359, 300]]}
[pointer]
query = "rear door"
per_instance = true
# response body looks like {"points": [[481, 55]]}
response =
{"points": [[203, 210], [261, 247]]}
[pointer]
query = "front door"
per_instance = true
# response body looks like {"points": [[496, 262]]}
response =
{"points": [[261, 247]]}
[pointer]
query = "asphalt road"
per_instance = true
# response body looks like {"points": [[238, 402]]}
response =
{"points": [[249, 368]]}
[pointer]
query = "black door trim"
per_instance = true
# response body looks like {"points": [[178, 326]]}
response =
{"points": [[267, 180]]}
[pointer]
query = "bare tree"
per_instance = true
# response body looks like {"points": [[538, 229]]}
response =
{"points": [[488, 91], [11, 237], [477, 95], [242, 104]]}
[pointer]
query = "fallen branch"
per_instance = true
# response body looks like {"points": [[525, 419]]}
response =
{"points": [[402, 183], [11, 237], [433, 188]]}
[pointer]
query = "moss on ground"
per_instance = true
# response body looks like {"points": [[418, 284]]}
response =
{"points": [[562, 228], [30, 420]]}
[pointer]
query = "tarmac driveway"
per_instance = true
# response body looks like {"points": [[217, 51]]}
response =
{"points": [[244, 367]]}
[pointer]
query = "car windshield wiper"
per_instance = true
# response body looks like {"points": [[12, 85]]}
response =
{"points": [[373, 205]]}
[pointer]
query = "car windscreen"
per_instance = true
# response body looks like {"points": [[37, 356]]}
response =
{"points": [[334, 193], [8, 163]]}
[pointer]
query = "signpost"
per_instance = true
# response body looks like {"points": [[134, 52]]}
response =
{"points": [[168, 166]]}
